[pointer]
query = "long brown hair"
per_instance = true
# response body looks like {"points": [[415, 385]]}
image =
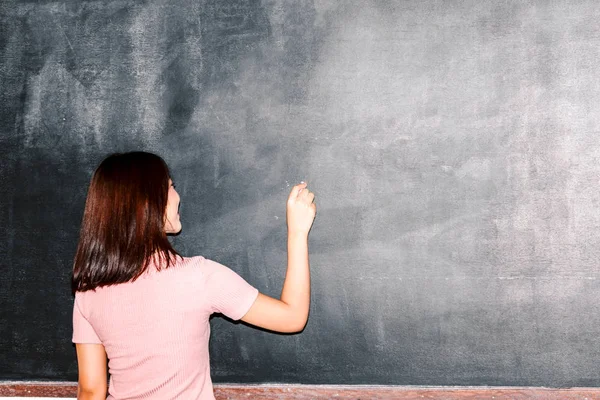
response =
{"points": [[123, 227]]}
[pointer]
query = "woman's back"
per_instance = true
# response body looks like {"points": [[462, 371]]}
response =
{"points": [[155, 330]]}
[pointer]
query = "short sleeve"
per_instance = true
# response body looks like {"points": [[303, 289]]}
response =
{"points": [[227, 292], [83, 332]]}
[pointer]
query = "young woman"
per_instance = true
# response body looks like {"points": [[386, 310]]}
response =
{"points": [[145, 307]]}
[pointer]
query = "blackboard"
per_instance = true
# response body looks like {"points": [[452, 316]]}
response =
{"points": [[454, 148]]}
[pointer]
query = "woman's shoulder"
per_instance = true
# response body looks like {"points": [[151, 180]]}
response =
{"points": [[195, 265], [194, 261], [201, 265]]}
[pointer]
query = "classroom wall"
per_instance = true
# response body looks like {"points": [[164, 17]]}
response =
{"points": [[453, 147]]}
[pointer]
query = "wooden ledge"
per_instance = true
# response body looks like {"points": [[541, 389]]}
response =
{"points": [[312, 392]]}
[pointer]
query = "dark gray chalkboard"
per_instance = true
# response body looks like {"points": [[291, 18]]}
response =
{"points": [[454, 147]]}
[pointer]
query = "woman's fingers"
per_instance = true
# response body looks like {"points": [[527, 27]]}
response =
{"points": [[296, 190], [301, 209], [307, 196], [304, 193]]}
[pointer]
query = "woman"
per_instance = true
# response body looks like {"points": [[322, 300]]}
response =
{"points": [[145, 307]]}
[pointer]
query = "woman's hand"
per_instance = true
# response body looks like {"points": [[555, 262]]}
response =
{"points": [[301, 210]]}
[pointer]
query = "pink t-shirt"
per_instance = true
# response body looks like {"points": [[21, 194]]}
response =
{"points": [[155, 330]]}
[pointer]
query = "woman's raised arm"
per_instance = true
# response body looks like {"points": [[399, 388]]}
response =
{"points": [[290, 312]]}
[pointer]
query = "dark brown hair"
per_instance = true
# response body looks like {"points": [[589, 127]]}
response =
{"points": [[123, 227]]}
